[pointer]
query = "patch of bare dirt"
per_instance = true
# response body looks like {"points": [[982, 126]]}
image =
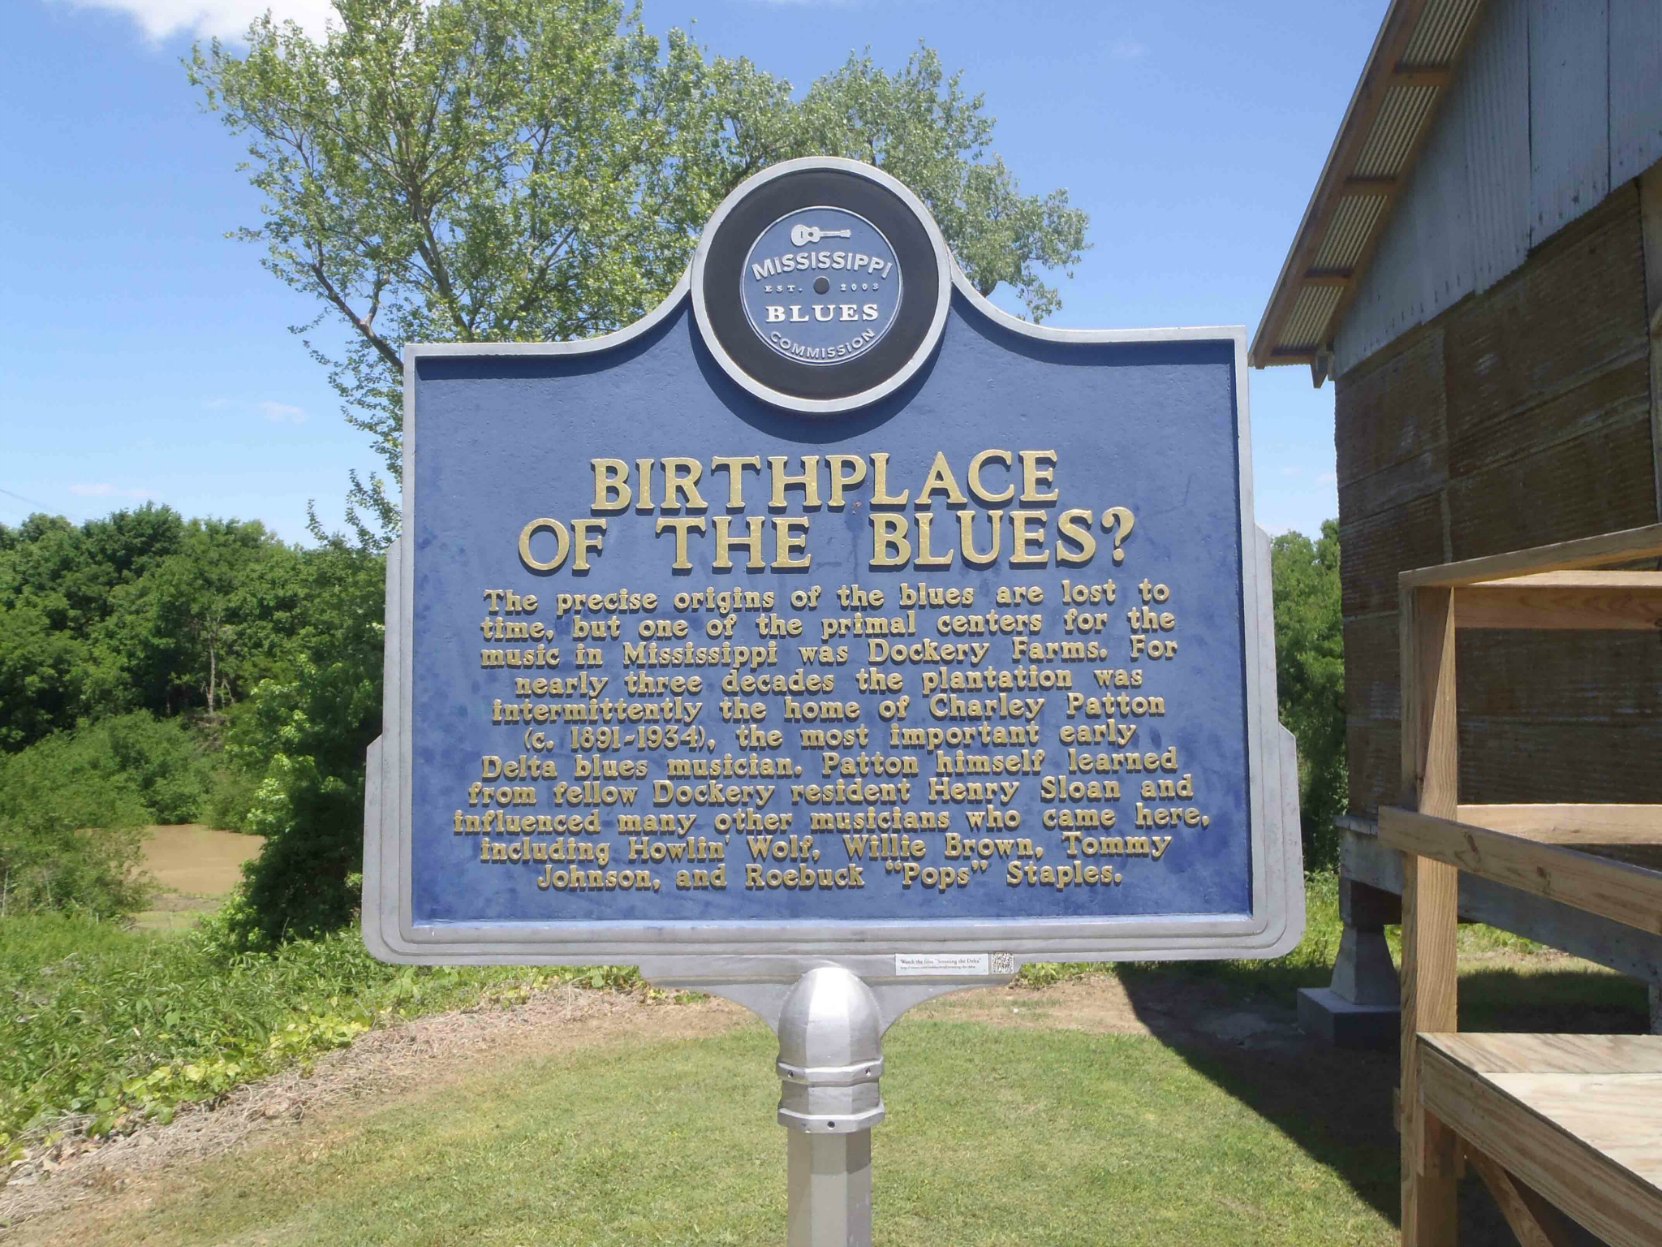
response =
{"points": [[423, 1052], [1166, 1007], [1097, 1003]]}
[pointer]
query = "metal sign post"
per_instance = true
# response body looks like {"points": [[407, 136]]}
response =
{"points": [[830, 1060], [830, 1023], [829, 640]]}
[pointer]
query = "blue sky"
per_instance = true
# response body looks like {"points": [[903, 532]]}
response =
{"points": [[143, 355]]}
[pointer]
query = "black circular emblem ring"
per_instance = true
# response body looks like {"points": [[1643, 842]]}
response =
{"points": [[821, 285]]}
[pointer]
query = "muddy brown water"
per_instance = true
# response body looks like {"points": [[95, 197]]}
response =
{"points": [[197, 860], [194, 868]]}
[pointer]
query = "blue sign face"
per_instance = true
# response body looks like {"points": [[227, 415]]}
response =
{"points": [[683, 658], [680, 663], [821, 285]]}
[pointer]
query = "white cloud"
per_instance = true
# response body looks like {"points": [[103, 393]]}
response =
{"points": [[106, 490], [224, 19], [281, 413], [1127, 50], [277, 413]]}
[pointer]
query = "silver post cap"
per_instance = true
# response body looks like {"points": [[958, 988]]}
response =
{"points": [[830, 1054]]}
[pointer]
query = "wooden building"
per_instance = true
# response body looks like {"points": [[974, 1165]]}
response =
{"points": [[1479, 273]]}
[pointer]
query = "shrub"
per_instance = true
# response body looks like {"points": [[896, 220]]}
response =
{"points": [[305, 729], [229, 804], [69, 830], [110, 1025], [167, 763]]}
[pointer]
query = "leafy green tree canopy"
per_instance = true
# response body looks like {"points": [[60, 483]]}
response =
{"points": [[305, 728], [1310, 675], [139, 609], [263, 662], [474, 170]]}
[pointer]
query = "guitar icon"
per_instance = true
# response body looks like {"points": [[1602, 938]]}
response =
{"points": [[801, 234]]}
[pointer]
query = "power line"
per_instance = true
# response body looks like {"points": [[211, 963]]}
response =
{"points": [[34, 502]]}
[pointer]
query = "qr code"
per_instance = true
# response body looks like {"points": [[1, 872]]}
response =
{"points": [[1003, 963]]}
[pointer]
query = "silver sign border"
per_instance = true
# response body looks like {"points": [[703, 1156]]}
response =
{"points": [[781, 950]]}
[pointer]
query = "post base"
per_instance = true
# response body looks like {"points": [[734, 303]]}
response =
{"points": [[1325, 1014]]}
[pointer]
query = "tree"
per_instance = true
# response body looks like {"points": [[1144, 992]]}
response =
{"points": [[1310, 675], [185, 632], [538, 170], [59, 584], [233, 637], [43, 674], [920, 126], [70, 572], [138, 610], [304, 731]]}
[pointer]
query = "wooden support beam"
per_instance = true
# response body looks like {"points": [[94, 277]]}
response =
{"points": [[1554, 1223], [1430, 910], [1571, 825], [1595, 601], [1532, 1229], [1430, 1196], [1407, 75], [1329, 277], [1374, 184], [1628, 545], [1616, 890], [1430, 735]]}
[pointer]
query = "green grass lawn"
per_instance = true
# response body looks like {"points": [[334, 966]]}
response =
{"points": [[996, 1136], [1028, 1133]]}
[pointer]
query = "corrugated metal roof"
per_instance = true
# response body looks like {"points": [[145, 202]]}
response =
{"points": [[1439, 33], [1311, 313], [1396, 131], [1555, 105], [1354, 218], [1407, 73]]}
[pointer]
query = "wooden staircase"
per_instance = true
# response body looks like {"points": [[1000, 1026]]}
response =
{"points": [[1550, 1122]]}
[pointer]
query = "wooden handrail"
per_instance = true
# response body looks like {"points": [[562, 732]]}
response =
{"points": [[1570, 824], [1612, 889], [1595, 601], [1600, 551]]}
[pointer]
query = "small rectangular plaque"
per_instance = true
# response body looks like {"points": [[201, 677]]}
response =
{"points": [[936, 965]]}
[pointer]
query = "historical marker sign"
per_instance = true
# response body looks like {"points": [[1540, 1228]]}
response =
{"points": [[829, 612]]}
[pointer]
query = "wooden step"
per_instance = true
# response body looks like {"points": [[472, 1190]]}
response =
{"points": [[1576, 1117]]}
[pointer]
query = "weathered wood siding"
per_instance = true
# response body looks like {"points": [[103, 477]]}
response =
{"points": [[1556, 103], [1519, 416]]}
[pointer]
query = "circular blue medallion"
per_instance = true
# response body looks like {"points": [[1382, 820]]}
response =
{"points": [[821, 285]]}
